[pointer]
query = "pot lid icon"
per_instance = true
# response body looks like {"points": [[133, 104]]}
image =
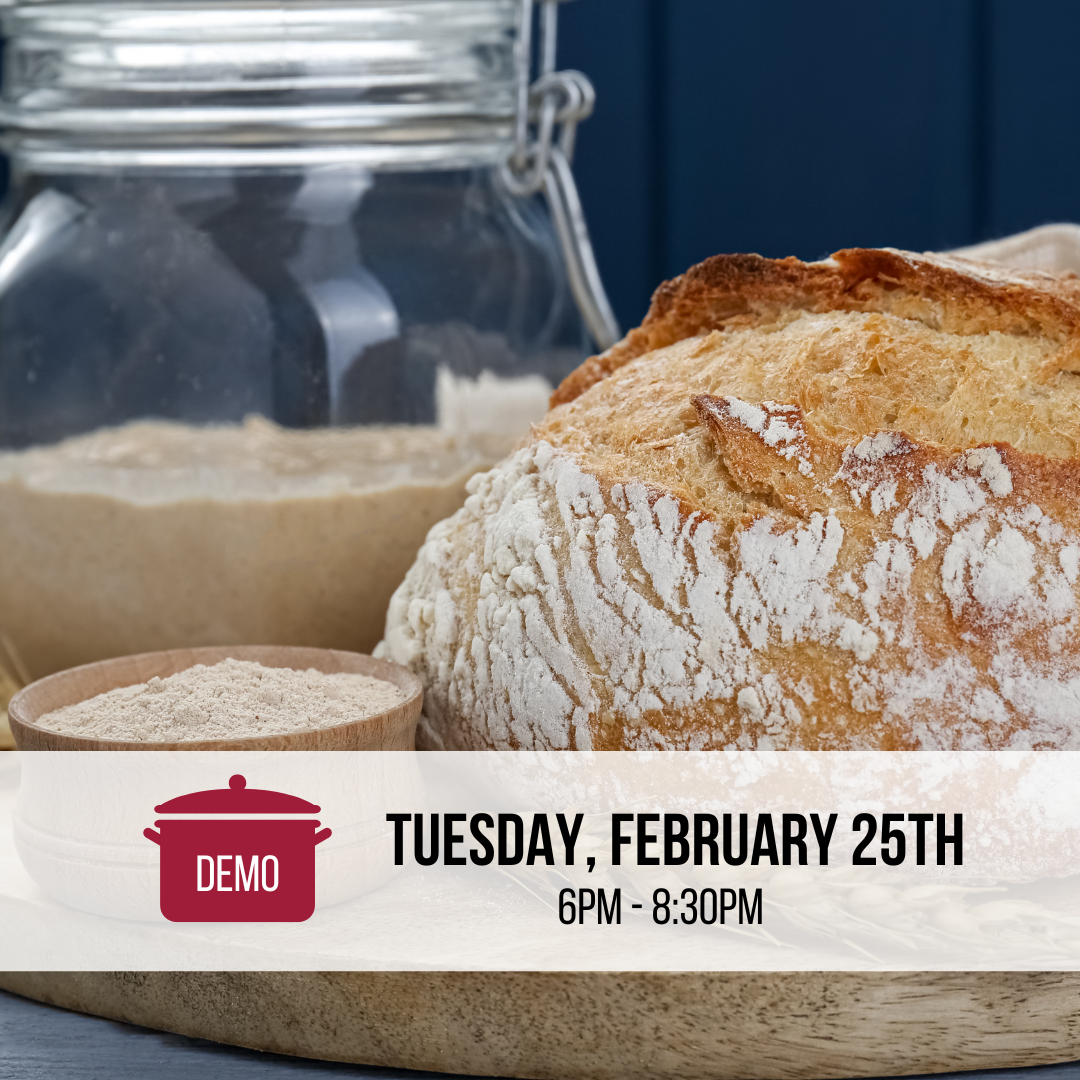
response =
{"points": [[237, 798]]}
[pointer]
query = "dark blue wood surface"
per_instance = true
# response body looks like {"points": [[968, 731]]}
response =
{"points": [[38, 1042]]}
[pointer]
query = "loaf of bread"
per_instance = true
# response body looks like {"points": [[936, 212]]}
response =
{"points": [[828, 505]]}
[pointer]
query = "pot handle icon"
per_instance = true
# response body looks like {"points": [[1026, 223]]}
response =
{"points": [[150, 834], [323, 834]]}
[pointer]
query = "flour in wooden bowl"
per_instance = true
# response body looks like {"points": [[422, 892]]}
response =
{"points": [[234, 699]]}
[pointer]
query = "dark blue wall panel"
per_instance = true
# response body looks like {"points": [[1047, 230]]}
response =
{"points": [[1034, 109], [795, 129], [791, 128], [616, 163]]}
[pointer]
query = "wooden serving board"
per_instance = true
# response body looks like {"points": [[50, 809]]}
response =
{"points": [[603, 1026], [558, 1025]]}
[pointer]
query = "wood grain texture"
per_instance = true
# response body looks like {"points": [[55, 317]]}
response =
{"points": [[594, 1026], [392, 730]]}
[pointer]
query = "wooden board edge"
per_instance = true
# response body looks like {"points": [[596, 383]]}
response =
{"points": [[596, 1026]]}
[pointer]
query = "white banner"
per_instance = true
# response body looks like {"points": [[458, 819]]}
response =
{"points": [[540, 861]]}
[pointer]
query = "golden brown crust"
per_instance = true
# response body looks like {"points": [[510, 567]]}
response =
{"points": [[955, 295], [820, 506], [968, 627]]}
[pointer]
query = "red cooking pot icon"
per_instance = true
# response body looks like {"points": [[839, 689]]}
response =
{"points": [[237, 855]]}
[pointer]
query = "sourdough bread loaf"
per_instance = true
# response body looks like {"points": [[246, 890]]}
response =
{"points": [[827, 505]]}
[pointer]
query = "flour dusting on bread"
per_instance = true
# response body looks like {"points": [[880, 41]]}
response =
{"points": [[842, 516]]}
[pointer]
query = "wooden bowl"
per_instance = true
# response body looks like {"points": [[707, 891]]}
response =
{"points": [[394, 729]]}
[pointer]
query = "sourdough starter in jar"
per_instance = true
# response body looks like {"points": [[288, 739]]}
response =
{"points": [[158, 535], [350, 219]]}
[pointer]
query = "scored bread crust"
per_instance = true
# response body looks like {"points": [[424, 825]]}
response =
{"points": [[825, 506], [956, 294]]}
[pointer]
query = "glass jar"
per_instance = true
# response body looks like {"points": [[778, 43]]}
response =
{"points": [[277, 279]]}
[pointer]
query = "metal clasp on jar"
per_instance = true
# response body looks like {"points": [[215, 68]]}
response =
{"points": [[538, 163]]}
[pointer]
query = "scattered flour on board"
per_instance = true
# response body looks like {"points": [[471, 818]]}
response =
{"points": [[576, 602], [234, 699]]}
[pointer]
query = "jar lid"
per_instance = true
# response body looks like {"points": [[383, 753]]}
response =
{"points": [[237, 798], [381, 83]]}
